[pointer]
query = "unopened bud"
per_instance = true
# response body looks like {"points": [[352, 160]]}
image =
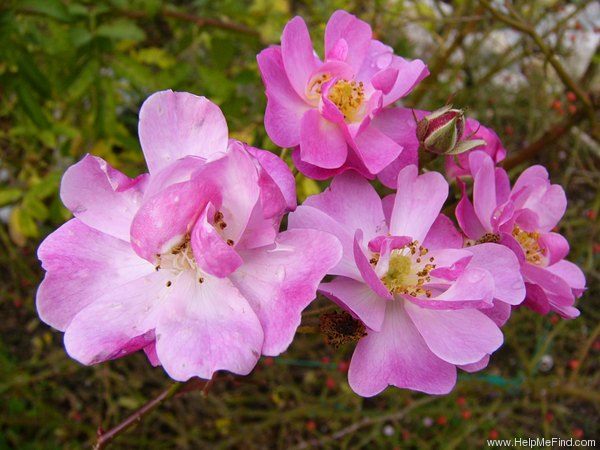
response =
{"points": [[440, 132]]}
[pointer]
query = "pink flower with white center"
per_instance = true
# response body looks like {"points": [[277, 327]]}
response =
{"points": [[522, 218], [185, 262], [399, 124], [417, 296], [326, 109]]}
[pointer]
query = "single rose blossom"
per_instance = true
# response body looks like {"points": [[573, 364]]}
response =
{"points": [[185, 262], [404, 274], [326, 110], [522, 218], [400, 125]]}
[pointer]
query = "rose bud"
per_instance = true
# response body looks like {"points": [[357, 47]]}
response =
{"points": [[440, 132]]}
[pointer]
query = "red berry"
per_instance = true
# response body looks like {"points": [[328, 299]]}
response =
{"points": [[460, 401], [311, 425], [548, 417], [596, 345], [591, 214], [466, 414], [572, 109], [596, 248], [325, 359], [493, 434], [554, 319], [556, 105], [343, 366], [574, 364], [508, 130], [330, 383], [442, 420], [268, 361], [577, 433], [571, 96]]}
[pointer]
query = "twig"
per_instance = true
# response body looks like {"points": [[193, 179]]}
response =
{"points": [[554, 132], [367, 421], [200, 21], [105, 437], [517, 23]]}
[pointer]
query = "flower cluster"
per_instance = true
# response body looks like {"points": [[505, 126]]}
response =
{"points": [[188, 263]]}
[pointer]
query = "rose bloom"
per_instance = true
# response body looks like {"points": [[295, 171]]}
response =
{"points": [[327, 110], [522, 218], [406, 277], [186, 262]]}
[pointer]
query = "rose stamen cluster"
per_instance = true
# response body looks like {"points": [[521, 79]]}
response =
{"points": [[348, 96], [529, 241], [409, 270]]}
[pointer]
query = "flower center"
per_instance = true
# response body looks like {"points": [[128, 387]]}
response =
{"points": [[348, 96], [315, 86], [530, 245], [409, 270]]}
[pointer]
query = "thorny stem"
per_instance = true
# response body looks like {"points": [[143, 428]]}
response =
{"points": [[517, 23], [105, 437]]}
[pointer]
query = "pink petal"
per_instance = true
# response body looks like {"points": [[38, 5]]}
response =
{"points": [[119, 322], [177, 124], [504, 266], [207, 327], [317, 173], [298, 55], [321, 142], [457, 336], [467, 217], [555, 247], [474, 288], [450, 262], [499, 313], [547, 280], [355, 32], [533, 191], [398, 356], [484, 188], [410, 73], [536, 299], [279, 281], [80, 264], [419, 200], [313, 218], [385, 79], [375, 149], [359, 298], [284, 107], [352, 202], [164, 219], [366, 270], [212, 254], [570, 273], [102, 197], [274, 173], [476, 366], [443, 235]]}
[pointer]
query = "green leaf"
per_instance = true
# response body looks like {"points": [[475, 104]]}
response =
{"points": [[9, 195], [46, 187], [31, 106], [84, 80], [51, 8], [106, 113], [121, 29], [34, 208], [30, 72]]}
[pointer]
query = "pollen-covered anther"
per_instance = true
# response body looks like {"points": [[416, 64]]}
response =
{"points": [[348, 96], [315, 86], [218, 221], [530, 245], [407, 273]]}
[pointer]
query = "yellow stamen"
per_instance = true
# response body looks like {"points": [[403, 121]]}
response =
{"points": [[348, 96]]}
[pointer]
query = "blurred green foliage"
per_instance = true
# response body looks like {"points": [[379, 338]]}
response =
{"points": [[73, 74]]}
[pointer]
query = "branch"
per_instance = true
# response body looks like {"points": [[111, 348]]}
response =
{"points": [[105, 437], [520, 25], [200, 21], [367, 421]]}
